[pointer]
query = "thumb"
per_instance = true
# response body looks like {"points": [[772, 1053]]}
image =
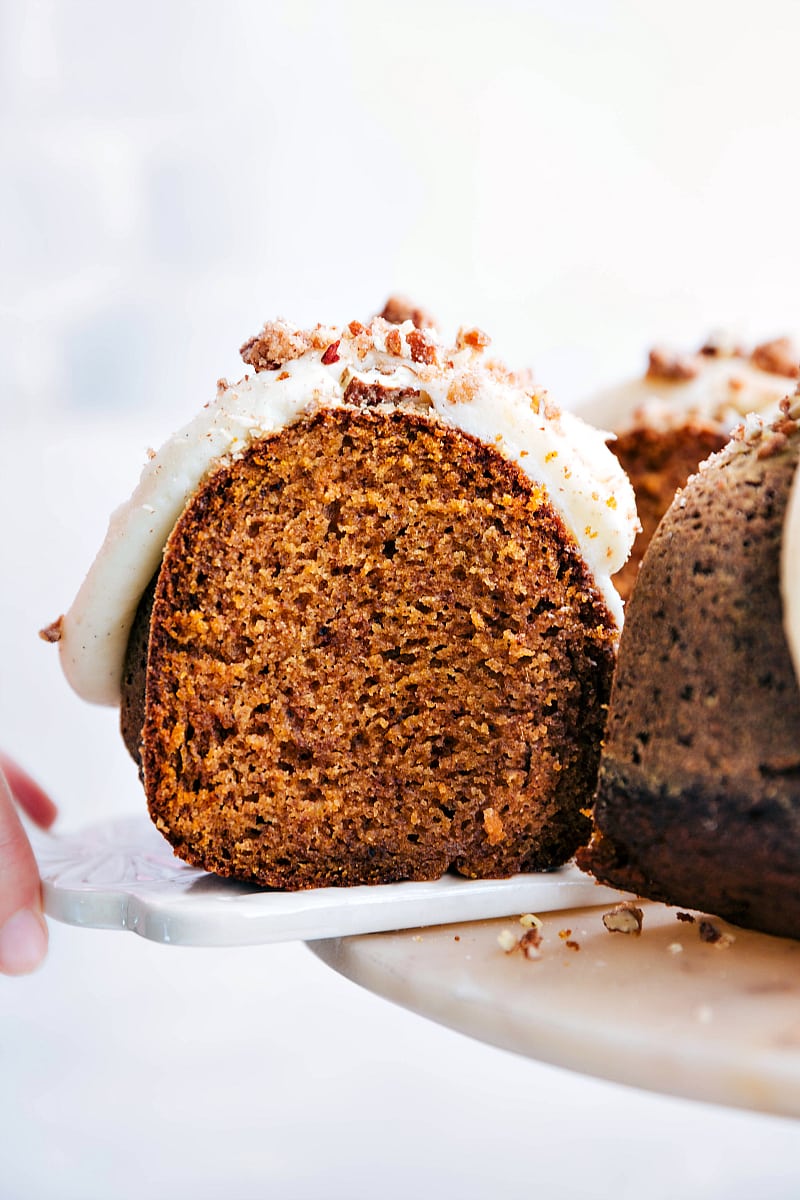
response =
{"points": [[23, 933]]}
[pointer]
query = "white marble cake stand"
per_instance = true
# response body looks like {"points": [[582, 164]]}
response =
{"points": [[710, 1023], [719, 1023]]}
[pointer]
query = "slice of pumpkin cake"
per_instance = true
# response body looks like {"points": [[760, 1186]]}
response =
{"points": [[359, 615]]}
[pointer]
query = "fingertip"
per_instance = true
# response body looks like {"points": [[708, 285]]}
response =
{"points": [[23, 942], [27, 792]]}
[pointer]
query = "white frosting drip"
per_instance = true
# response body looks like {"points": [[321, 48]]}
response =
{"points": [[584, 482]]}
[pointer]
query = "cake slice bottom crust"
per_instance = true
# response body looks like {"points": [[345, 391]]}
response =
{"points": [[374, 653]]}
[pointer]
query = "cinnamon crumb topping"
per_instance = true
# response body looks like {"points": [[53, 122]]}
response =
{"points": [[670, 367], [500, 371], [779, 357], [399, 309], [321, 336], [361, 338], [774, 437], [551, 411], [463, 389], [277, 344], [53, 631]]}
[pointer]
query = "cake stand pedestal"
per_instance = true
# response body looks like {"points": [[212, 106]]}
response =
{"points": [[664, 1010]]}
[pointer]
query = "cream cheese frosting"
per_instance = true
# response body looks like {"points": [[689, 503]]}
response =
{"points": [[459, 386], [719, 384]]}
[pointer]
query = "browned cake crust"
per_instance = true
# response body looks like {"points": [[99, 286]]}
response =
{"points": [[658, 462], [374, 654], [699, 790]]}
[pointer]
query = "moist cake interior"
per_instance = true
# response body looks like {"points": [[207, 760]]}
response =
{"points": [[374, 654]]}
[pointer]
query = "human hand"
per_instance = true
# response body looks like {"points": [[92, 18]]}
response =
{"points": [[23, 932]]}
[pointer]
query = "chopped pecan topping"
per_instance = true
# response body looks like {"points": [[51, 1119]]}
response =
{"points": [[422, 351], [475, 338], [331, 355], [776, 436], [277, 344], [672, 368], [398, 310], [624, 918], [779, 357], [361, 338], [394, 343], [528, 944], [321, 336], [53, 631], [714, 936]]}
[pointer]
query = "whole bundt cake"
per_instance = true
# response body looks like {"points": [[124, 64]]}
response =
{"points": [[698, 799]]}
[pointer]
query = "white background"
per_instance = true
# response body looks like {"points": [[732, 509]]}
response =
{"points": [[581, 179]]}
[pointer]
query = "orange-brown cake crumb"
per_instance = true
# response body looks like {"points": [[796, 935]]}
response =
{"points": [[352, 680]]}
